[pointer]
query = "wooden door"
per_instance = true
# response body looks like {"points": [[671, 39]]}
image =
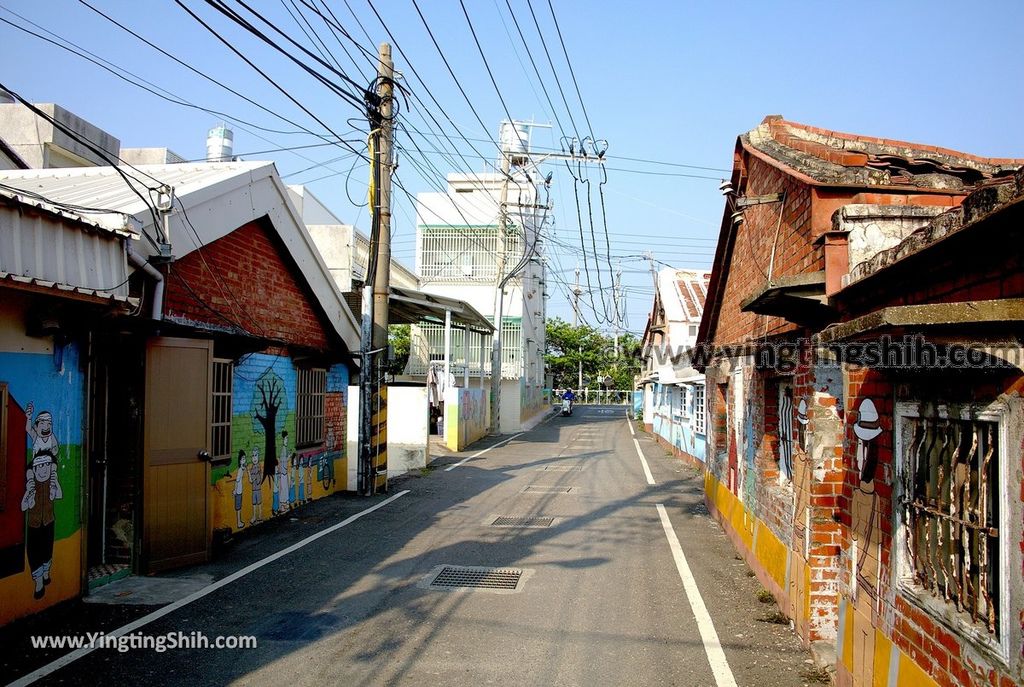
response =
{"points": [[176, 480]]}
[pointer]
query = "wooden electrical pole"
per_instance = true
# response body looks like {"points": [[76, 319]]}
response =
{"points": [[373, 454]]}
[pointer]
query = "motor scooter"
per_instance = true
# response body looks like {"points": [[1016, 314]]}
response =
{"points": [[566, 407]]}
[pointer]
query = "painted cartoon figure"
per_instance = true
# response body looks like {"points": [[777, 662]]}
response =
{"points": [[256, 480], [307, 469], [295, 477], [42, 488], [239, 487], [327, 460], [865, 566], [801, 418], [283, 485]]}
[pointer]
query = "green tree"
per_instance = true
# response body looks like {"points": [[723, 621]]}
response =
{"points": [[567, 345], [400, 340]]}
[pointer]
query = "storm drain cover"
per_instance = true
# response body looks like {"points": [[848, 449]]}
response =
{"points": [[511, 521], [475, 577], [561, 468], [547, 490]]}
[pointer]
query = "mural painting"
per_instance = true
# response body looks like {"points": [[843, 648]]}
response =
{"points": [[864, 530], [43, 397], [266, 467]]}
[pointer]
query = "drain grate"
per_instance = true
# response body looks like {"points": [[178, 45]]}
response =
{"points": [[561, 468], [463, 577], [511, 521], [547, 490]]}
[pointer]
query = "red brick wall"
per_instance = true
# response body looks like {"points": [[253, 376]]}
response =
{"points": [[247, 280], [934, 647], [752, 248]]}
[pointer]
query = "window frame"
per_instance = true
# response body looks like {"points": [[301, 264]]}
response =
{"points": [[700, 409], [902, 574], [303, 396], [215, 392]]}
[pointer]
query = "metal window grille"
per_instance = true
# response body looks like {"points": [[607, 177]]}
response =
{"points": [[463, 253], [698, 409], [428, 346], [309, 406], [220, 427], [951, 513]]}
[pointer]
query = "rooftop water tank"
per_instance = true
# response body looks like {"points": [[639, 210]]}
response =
{"points": [[515, 138], [220, 143]]}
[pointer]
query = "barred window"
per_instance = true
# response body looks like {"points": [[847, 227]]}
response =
{"points": [[698, 409], [220, 426], [950, 515], [311, 388]]}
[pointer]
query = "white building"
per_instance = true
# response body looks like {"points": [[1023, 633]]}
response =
{"points": [[459, 253], [673, 391]]}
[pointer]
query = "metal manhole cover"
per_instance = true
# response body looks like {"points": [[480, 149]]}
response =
{"points": [[512, 521], [562, 468], [497, 580], [547, 490]]}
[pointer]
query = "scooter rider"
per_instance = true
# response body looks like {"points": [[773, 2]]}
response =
{"points": [[570, 397]]}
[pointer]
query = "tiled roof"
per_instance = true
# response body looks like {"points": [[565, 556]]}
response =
{"points": [[834, 157], [693, 291]]}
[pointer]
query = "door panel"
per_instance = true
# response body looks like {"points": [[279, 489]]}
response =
{"points": [[177, 429]]}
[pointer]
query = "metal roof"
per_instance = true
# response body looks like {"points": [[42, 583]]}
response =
{"points": [[415, 306], [211, 201]]}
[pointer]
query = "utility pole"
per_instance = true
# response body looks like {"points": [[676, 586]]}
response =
{"points": [[499, 288], [501, 278], [576, 291], [373, 455], [580, 380], [616, 293]]}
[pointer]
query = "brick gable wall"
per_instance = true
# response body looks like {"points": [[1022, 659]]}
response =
{"points": [[795, 252], [248, 279]]}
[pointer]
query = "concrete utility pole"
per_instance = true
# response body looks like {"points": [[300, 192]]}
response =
{"points": [[616, 294], [373, 453], [499, 287], [576, 291]]}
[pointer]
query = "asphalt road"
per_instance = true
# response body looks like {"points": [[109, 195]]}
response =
{"points": [[601, 600]]}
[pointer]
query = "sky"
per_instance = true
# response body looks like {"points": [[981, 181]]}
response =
{"points": [[669, 86]]}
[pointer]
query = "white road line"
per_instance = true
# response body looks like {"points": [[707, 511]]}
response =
{"points": [[480, 453], [712, 647], [629, 423], [643, 462], [195, 596]]}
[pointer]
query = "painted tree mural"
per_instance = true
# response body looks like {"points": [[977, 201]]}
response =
{"points": [[268, 405]]}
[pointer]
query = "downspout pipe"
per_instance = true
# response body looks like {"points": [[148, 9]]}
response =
{"points": [[153, 273]]}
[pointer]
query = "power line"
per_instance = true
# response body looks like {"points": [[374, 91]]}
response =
{"points": [[572, 72]]}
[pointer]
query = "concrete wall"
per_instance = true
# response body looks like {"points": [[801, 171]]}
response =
{"points": [[672, 422], [408, 431], [467, 416], [409, 434], [42, 145]]}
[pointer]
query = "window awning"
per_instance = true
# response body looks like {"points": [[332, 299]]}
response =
{"points": [[409, 306], [798, 298]]}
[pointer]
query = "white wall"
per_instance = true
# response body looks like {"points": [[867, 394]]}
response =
{"points": [[408, 431]]}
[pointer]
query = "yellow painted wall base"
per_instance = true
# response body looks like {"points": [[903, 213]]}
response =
{"points": [[16, 600], [868, 657]]}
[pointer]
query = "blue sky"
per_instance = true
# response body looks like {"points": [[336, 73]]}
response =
{"points": [[671, 82]]}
